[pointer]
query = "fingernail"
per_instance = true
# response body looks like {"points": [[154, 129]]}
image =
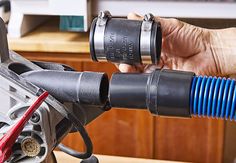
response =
{"points": [[126, 68], [138, 15], [134, 15]]}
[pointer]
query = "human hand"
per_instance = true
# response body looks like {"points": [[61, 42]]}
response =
{"points": [[185, 47]]}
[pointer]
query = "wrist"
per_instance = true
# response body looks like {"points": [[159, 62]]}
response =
{"points": [[223, 49]]}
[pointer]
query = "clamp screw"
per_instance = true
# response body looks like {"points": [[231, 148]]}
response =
{"points": [[35, 117], [13, 116], [148, 17], [104, 14]]}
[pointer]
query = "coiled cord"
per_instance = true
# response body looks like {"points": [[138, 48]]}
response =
{"points": [[213, 97]]}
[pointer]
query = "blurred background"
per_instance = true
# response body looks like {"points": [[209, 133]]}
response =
{"points": [[57, 31]]}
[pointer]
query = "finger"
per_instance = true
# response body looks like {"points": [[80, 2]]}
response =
{"points": [[150, 68], [127, 68], [168, 25], [134, 16], [140, 67], [117, 65]]}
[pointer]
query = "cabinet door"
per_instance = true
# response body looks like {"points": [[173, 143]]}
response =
{"points": [[194, 140]]}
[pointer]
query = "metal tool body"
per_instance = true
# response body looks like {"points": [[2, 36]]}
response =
{"points": [[50, 123], [9, 138]]}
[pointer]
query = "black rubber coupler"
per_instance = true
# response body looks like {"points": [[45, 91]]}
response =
{"points": [[168, 93], [128, 90], [163, 92], [122, 41], [82, 87]]}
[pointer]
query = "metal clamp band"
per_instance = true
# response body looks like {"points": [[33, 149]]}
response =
{"points": [[99, 34], [145, 38]]}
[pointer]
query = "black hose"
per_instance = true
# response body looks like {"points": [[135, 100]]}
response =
{"points": [[69, 151], [87, 141], [77, 154], [78, 126]]}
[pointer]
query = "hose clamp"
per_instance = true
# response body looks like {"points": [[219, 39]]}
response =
{"points": [[145, 38], [99, 34]]}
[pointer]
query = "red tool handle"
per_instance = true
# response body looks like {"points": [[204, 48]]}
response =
{"points": [[8, 139]]}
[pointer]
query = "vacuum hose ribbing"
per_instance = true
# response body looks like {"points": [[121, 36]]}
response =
{"points": [[213, 97]]}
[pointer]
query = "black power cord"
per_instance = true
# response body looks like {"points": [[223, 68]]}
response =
{"points": [[79, 127], [86, 139], [72, 152]]}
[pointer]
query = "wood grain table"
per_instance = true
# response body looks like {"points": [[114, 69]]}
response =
{"points": [[64, 158]]}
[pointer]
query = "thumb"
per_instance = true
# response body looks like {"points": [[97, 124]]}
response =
{"points": [[168, 25], [134, 16]]}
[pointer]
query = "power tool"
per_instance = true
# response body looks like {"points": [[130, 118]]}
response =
{"points": [[73, 99]]}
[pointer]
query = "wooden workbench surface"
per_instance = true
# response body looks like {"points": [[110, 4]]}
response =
{"points": [[62, 158], [48, 38]]}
